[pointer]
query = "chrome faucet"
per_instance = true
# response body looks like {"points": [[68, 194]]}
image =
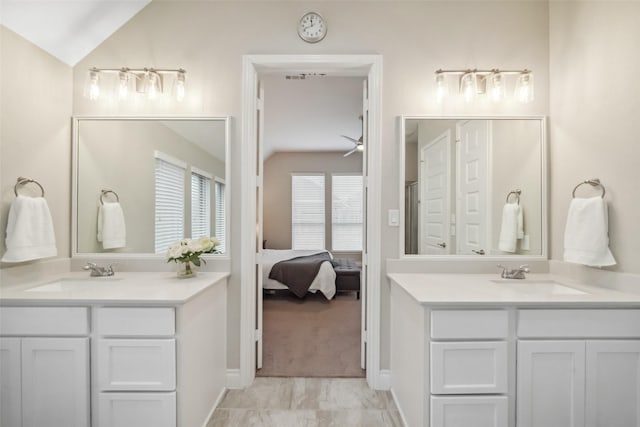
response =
{"points": [[515, 273], [99, 271]]}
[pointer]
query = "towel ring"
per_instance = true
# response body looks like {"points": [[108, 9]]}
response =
{"points": [[104, 192], [517, 193], [24, 181], [595, 182]]}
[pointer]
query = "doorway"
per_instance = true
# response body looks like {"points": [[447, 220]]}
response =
{"points": [[369, 66]]}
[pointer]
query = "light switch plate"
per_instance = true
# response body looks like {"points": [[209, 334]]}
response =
{"points": [[394, 217]]}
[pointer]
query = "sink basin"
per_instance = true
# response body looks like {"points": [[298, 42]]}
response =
{"points": [[69, 285], [539, 287]]}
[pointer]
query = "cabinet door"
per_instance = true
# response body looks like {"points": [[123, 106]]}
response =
{"points": [[10, 389], [465, 411], [551, 383], [613, 384], [137, 409], [137, 364], [468, 367], [55, 382]]}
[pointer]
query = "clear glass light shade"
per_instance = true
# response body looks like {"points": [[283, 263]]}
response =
{"points": [[154, 85], [524, 88], [442, 90], [180, 89], [496, 87], [93, 90], [124, 83], [468, 86]]}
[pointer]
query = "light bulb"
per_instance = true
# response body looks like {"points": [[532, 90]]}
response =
{"points": [[94, 84], [180, 80], [497, 90], [123, 85], [467, 86], [524, 87], [441, 87]]}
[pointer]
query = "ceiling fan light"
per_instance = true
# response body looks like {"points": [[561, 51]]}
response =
{"points": [[360, 147]]}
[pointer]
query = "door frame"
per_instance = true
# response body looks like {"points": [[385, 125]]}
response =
{"points": [[357, 65]]}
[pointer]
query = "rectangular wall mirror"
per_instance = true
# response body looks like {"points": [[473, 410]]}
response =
{"points": [[170, 177], [474, 186]]}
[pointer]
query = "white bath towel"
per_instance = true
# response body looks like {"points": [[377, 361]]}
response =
{"points": [[586, 235], [30, 232], [512, 227], [112, 231]]}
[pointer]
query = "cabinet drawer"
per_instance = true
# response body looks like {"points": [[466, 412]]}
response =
{"points": [[129, 321], [137, 364], [137, 409], [465, 411], [468, 367], [469, 324], [44, 321], [579, 323]]}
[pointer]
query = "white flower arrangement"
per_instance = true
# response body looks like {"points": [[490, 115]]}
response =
{"points": [[189, 250]]}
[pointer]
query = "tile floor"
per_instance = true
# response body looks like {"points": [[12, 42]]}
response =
{"points": [[307, 402]]}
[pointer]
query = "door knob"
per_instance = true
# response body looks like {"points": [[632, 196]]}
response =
{"points": [[479, 251], [442, 245]]}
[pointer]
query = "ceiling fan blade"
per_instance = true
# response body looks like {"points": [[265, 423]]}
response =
{"points": [[350, 152], [355, 141]]}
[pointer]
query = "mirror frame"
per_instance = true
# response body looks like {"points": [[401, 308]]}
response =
{"points": [[544, 191], [141, 255]]}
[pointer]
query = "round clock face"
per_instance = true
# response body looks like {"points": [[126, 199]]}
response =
{"points": [[312, 27]]}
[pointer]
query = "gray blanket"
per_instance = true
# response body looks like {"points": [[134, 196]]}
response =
{"points": [[298, 273]]}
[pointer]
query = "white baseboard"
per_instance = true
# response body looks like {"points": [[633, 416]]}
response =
{"points": [[215, 405], [234, 380], [395, 400], [384, 379]]}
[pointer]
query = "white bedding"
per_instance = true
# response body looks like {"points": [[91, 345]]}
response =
{"points": [[324, 282]]}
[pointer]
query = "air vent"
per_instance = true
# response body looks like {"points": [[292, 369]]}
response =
{"points": [[304, 76]]}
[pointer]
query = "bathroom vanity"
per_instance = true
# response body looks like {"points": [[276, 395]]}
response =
{"points": [[475, 350], [133, 349]]}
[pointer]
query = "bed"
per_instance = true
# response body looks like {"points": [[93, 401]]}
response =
{"points": [[325, 280]]}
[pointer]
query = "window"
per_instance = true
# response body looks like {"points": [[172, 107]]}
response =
{"points": [[220, 217], [169, 201], [307, 212], [346, 212], [200, 203]]}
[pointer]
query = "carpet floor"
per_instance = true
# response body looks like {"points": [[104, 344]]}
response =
{"points": [[311, 337]]}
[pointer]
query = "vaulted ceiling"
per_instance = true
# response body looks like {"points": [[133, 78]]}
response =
{"points": [[67, 29]]}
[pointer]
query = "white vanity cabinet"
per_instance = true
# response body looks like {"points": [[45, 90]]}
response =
{"points": [[578, 368], [44, 366]]}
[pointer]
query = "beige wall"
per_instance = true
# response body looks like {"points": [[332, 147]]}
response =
{"points": [[594, 126], [35, 131], [277, 190], [120, 155], [414, 38]]}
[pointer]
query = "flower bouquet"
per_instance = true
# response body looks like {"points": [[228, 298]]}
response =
{"points": [[188, 251]]}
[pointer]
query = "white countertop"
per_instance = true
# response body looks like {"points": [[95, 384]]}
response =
{"points": [[490, 290], [124, 287]]}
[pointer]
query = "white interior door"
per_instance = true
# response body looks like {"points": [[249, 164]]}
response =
{"points": [[259, 224], [363, 270], [435, 202], [472, 219]]}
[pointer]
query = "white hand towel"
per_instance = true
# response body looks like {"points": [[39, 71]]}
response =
{"points": [[512, 227], [30, 232], [586, 235], [112, 231]]}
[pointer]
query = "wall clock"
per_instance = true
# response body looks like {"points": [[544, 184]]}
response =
{"points": [[312, 28]]}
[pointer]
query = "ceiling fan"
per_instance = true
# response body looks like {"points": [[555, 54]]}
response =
{"points": [[359, 143]]}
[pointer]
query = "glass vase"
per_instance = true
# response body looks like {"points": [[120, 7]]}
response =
{"points": [[185, 271]]}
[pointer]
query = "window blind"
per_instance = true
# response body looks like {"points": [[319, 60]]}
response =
{"points": [[200, 205], [220, 215], [307, 212], [346, 212], [169, 202]]}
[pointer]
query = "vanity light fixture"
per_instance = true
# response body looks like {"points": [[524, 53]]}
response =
{"points": [[147, 81], [473, 83]]}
